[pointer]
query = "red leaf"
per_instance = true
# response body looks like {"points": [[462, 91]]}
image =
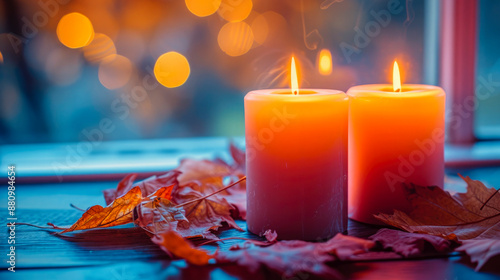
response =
{"points": [[409, 244], [209, 175], [147, 186], [292, 257], [202, 171], [124, 186], [474, 214], [203, 216], [173, 244], [238, 156]]}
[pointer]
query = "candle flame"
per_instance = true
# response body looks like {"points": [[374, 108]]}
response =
{"points": [[294, 85], [396, 79], [325, 62]]}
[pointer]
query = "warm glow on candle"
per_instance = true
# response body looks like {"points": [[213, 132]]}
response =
{"points": [[325, 62], [294, 85], [396, 79]]}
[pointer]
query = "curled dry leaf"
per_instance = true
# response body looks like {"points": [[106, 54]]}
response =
{"points": [[147, 186], [158, 215], [208, 176], [119, 212], [174, 245], [481, 250], [288, 258], [461, 216], [410, 244], [202, 171], [203, 216], [192, 215], [294, 256]]}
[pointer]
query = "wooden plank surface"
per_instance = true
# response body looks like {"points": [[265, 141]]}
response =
{"points": [[127, 252]]}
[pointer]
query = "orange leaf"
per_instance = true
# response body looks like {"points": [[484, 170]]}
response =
{"points": [[147, 186], [119, 212], [173, 244]]}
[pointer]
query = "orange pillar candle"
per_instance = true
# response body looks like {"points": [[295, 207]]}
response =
{"points": [[296, 146], [396, 137]]}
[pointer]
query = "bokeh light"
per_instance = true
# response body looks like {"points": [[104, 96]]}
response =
{"points": [[62, 66], [115, 71], [75, 30], [325, 62], [1, 57], [203, 8], [260, 29], [172, 69], [235, 38], [277, 26], [101, 47], [234, 11]]}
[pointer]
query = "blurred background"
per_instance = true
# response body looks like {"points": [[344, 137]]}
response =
{"points": [[170, 68]]}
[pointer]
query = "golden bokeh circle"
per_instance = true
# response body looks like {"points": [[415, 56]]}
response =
{"points": [[172, 69], [235, 38], [235, 11], [203, 8], [75, 30]]}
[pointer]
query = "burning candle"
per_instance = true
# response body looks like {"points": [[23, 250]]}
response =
{"points": [[396, 136], [296, 146]]}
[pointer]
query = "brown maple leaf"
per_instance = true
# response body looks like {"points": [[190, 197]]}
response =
{"points": [[174, 245], [292, 257], [461, 216], [202, 171], [191, 214], [410, 244], [205, 215], [119, 212]]}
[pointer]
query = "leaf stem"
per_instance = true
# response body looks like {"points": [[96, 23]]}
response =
{"points": [[51, 226], [76, 207], [216, 192]]}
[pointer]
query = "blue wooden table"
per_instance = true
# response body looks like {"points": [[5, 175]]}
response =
{"points": [[44, 194]]}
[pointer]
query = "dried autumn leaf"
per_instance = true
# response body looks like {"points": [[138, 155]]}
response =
{"points": [[173, 244], [210, 175], [289, 258], [294, 256], [481, 250], [436, 212], [239, 158], [119, 212], [409, 244], [158, 215], [203, 216], [123, 187], [147, 186], [201, 171]]}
